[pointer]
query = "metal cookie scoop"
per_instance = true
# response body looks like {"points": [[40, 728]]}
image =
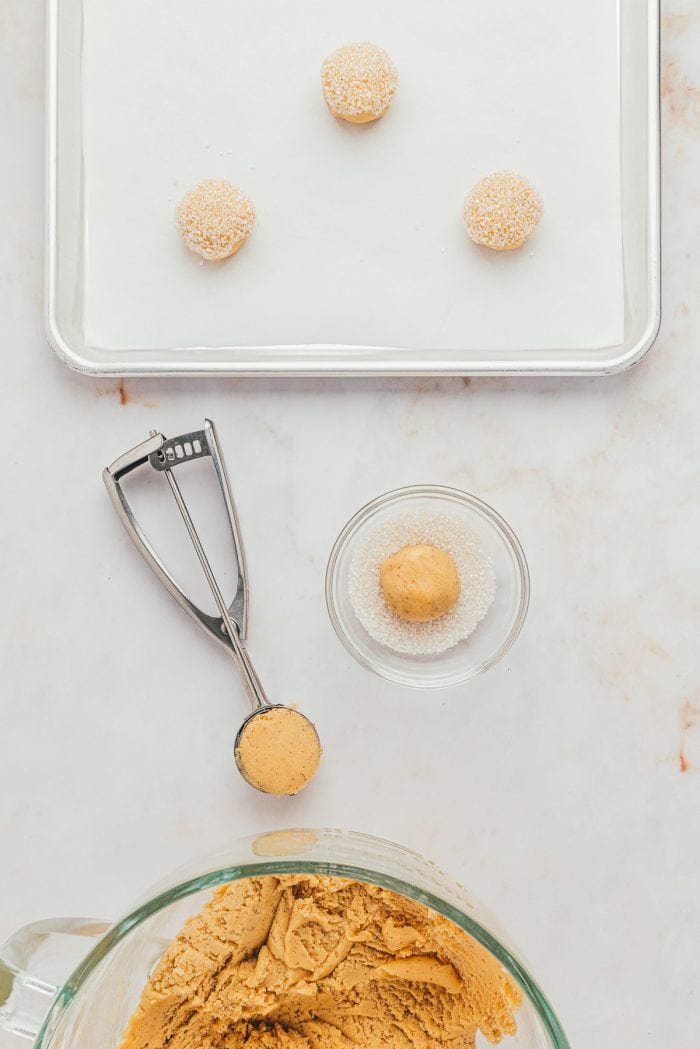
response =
{"points": [[277, 749]]}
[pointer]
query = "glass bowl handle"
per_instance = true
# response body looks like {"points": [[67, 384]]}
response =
{"points": [[34, 963]]}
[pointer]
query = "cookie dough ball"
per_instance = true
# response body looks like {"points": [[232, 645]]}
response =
{"points": [[215, 219], [420, 583], [359, 83], [502, 211], [278, 750]]}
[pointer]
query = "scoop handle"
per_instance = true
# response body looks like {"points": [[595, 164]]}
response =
{"points": [[34, 963], [254, 687], [256, 692]]}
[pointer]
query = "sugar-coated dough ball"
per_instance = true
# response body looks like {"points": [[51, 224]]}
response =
{"points": [[359, 82], [502, 211], [215, 219], [420, 583]]}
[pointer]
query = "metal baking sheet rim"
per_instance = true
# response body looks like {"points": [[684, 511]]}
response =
{"points": [[623, 357]]}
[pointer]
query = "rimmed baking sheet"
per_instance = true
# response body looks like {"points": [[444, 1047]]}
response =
{"points": [[360, 263]]}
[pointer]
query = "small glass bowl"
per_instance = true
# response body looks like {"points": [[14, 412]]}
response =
{"points": [[492, 638]]}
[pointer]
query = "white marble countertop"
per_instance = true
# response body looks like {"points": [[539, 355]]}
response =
{"points": [[563, 787]]}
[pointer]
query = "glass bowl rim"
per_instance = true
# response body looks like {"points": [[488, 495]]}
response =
{"points": [[212, 879], [454, 495]]}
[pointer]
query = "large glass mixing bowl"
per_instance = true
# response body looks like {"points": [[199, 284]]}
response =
{"points": [[90, 1007]]}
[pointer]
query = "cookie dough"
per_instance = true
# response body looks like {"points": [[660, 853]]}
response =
{"points": [[278, 750], [311, 962], [502, 211], [420, 583], [359, 82], [215, 219]]}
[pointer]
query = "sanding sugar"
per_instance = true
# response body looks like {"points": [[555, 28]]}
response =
{"points": [[359, 82], [502, 211], [474, 566], [215, 219]]}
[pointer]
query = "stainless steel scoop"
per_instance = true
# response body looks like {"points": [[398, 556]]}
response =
{"points": [[230, 628]]}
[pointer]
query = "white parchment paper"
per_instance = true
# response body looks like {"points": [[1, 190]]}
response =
{"points": [[360, 237]]}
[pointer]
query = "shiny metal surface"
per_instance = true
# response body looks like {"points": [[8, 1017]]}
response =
{"points": [[149, 452], [246, 669], [164, 455]]}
